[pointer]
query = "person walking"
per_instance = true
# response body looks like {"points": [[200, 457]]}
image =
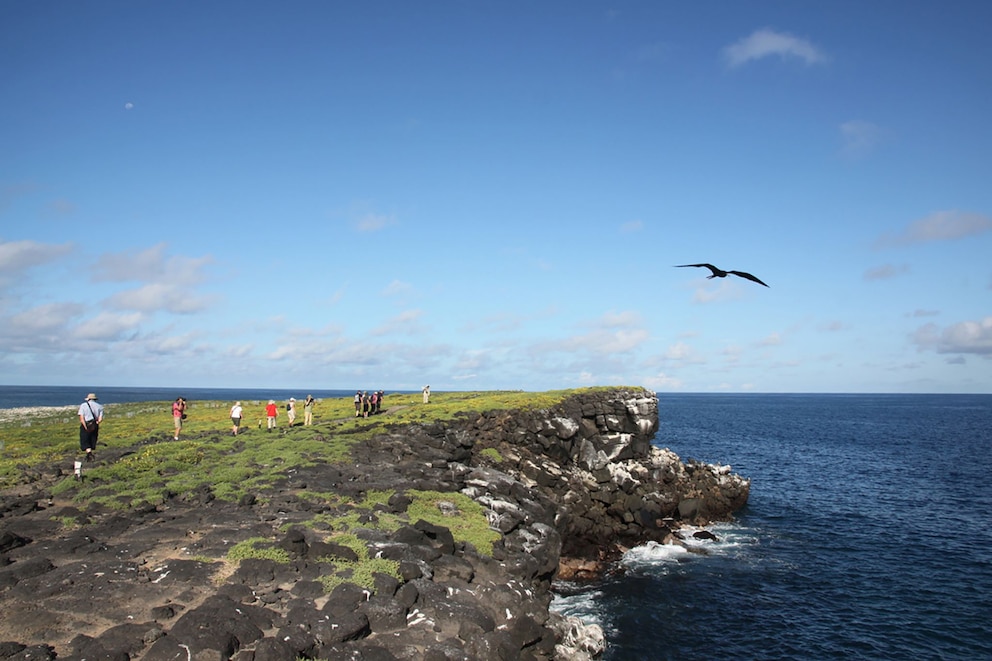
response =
{"points": [[236, 418], [271, 413], [358, 403], [178, 415], [427, 394], [90, 417], [308, 411], [291, 411]]}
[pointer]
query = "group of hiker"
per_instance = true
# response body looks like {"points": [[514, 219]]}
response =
{"points": [[272, 413], [91, 415], [367, 403]]}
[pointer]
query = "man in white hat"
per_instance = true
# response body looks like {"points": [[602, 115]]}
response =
{"points": [[90, 417]]}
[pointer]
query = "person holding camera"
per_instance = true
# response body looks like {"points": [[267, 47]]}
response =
{"points": [[178, 414]]}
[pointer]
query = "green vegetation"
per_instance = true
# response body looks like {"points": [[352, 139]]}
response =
{"points": [[467, 523], [362, 571], [148, 466], [492, 454], [207, 453], [258, 548]]}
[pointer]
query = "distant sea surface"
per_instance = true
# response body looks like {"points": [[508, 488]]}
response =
{"points": [[867, 535], [16, 396]]}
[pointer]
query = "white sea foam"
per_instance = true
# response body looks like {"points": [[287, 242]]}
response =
{"points": [[583, 605], [731, 539]]}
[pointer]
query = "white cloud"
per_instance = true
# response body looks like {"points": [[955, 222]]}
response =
{"points": [[662, 381], [43, 319], [152, 266], [605, 341], [18, 256], [938, 226], [473, 359], [158, 296], [108, 326], [766, 42], [966, 337]]}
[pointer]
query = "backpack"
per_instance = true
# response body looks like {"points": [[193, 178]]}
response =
{"points": [[288, 406]]}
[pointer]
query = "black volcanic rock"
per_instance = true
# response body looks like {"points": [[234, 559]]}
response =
{"points": [[569, 487]]}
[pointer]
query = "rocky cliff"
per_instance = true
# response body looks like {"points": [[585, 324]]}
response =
{"points": [[567, 488]]}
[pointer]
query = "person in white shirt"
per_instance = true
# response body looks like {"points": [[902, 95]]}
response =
{"points": [[236, 417], [90, 417]]}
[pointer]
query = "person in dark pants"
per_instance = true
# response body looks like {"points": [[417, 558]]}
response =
{"points": [[90, 417]]}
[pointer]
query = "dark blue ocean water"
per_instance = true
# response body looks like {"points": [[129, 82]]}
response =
{"points": [[868, 535]]}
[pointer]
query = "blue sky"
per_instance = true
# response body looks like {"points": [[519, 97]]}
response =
{"points": [[493, 195]]}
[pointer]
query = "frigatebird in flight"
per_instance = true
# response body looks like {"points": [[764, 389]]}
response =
{"points": [[719, 273]]}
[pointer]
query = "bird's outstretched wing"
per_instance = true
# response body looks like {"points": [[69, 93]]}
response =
{"points": [[748, 276], [712, 268]]}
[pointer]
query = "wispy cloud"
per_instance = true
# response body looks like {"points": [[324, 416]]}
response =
{"points": [[398, 288], [766, 43], [109, 326], [860, 138], [662, 381], [405, 323], [632, 226], [168, 282], [771, 340], [44, 318], [938, 226], [150, 265], [159, 296], [710, 291], [373, 222], [612, 333], [886, 271], [17, 256]]}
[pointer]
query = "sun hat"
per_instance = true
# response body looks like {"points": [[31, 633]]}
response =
{"points": [[91, 396], [292, 399], [272, 401]]}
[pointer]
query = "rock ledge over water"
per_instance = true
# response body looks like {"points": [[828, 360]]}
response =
{"points": [[569, 489]]}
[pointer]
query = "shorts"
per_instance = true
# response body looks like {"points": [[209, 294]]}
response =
{"points": [[177, 421], [236, 421]]}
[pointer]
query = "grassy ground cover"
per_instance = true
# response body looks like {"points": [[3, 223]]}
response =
{"points": [[145, 430], [148, 466]]}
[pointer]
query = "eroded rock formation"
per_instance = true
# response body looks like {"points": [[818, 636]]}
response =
{"points": [[579, 482]]}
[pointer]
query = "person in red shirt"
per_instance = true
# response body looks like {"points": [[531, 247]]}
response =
{"points": [[271, 412], [178, 415]]}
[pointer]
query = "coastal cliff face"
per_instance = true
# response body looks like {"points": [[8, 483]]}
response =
{"points": [[578, 482], [611, 487]]}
